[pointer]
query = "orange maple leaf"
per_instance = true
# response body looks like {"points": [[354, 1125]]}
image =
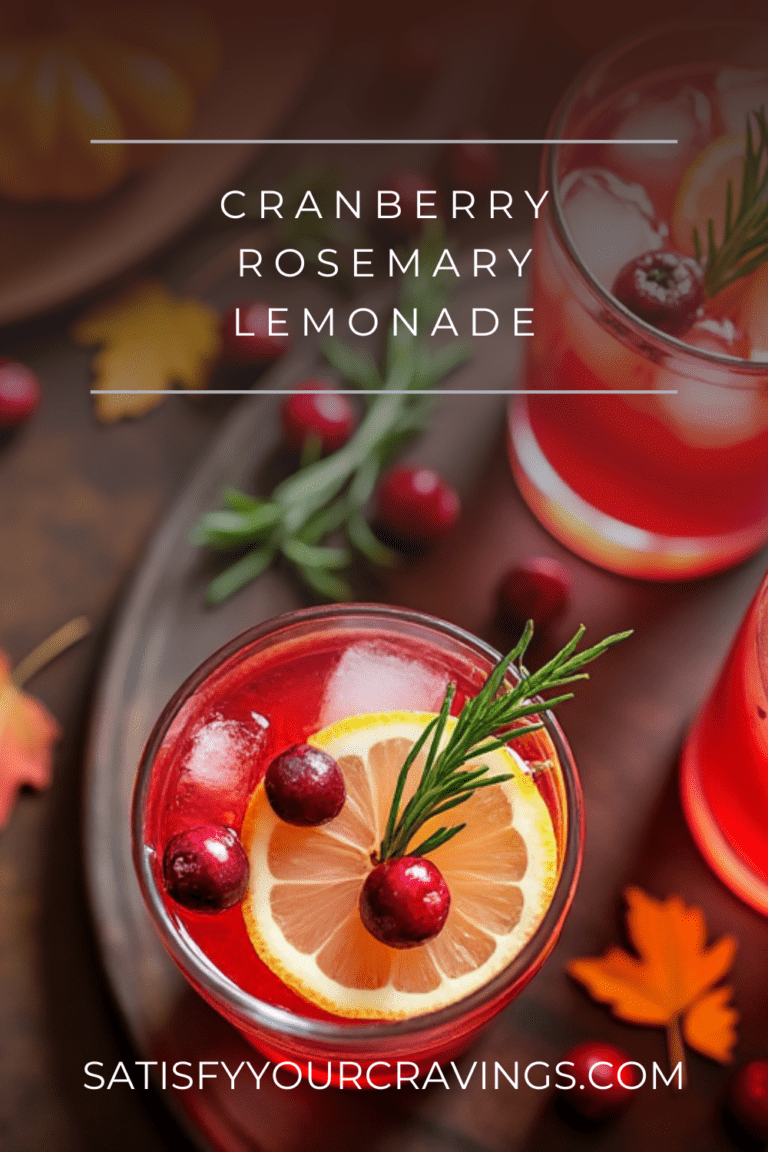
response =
{"points": [[27, 735], [670, 983], [150, 340]]}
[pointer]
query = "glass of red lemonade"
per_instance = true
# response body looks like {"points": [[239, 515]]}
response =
{"points": [[670, 481], [288, 961], [725, 765]]}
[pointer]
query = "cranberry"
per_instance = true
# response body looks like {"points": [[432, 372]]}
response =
{"points": [[416, 504], [305, 786], [605, 1079], [328, 416], [663, 288], [205, 868], [404, 902], [19, 393], [408, 223], [255, 344], [471, 164], [537, 590], [748, 1098]]}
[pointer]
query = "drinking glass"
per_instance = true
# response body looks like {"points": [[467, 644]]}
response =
{"points": [[724, 775], [670, 482], [397, 659]]}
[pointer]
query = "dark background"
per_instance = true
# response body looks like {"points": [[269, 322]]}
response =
{"points": [[78, 501]]}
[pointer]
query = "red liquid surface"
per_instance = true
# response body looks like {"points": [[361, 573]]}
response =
{"points": [[691, 465], [221, 742], [728, 748]]}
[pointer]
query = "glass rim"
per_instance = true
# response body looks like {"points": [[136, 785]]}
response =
{"points": [[258, 1014], [639, 329]]}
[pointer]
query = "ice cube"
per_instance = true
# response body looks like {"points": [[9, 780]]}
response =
{"points": [[371, 677], [687, 118], [739, 92], [221, 770], [610, 222], [713, 411]]}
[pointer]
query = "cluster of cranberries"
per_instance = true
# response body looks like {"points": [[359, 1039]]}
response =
{"points": [[662, 288], [404, 902]]}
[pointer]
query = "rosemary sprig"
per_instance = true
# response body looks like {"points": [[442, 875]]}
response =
{"points": [[482, 726], [744, 247], [330, 495]]}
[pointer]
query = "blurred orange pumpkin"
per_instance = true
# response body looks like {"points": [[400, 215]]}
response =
{"points": [[68, 75]]}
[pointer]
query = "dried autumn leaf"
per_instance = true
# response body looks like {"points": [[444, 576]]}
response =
{"points": [[670, 981], [150, 340], [27, 735], [709, 1025]]}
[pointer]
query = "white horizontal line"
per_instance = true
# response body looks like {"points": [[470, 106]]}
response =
{"points": [[384, 392], [187, 140]]}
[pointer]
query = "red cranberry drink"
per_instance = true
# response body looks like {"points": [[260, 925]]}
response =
{"points": [[295, 850], [725, 765], [645, 281]]}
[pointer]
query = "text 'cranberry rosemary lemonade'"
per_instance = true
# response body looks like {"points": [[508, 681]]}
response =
{"points": [[294, 846], [644, 442]]}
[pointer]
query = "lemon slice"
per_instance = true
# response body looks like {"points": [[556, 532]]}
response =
{"points": [[301, 909], [702, 191]]}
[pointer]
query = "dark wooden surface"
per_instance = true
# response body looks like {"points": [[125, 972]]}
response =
{"points": [[77, 503]]}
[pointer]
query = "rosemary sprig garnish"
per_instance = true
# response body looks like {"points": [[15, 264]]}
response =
{"points": [[330, 495], [744, 247], [482, 726]]}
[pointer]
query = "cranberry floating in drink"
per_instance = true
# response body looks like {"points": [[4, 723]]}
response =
{"points": [[643, 444], [372, 924]]}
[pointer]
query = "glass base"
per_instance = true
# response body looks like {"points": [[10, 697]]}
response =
{"points": [[718, 852], [606, 541]]}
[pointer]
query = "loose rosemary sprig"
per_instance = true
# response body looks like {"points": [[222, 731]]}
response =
{"points": [[745, 238], [444, 784], [329, 495]]}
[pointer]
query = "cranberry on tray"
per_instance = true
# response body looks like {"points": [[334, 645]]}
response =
{"points": [[538, 590], [663, 288], [205, 868], [416, 504], [405, 902], [304, 786], [315, 410], [246, 334], [748, 1098], [606, 1079], [19, 393]]}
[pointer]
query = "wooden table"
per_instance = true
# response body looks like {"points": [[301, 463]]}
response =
{"points": [[77, 502]]}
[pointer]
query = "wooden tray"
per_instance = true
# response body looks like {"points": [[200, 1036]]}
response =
{"points": [[625, 728]]}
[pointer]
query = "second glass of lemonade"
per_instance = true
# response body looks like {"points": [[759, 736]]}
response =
{"points": [[671, 481], [290, 963], [725, 765]]}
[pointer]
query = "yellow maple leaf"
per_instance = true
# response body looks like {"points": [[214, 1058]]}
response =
{"points": [[150, 340], [670, 983]]}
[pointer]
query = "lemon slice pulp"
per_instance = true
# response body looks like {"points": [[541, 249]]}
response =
{"points": [[301, 908]]}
